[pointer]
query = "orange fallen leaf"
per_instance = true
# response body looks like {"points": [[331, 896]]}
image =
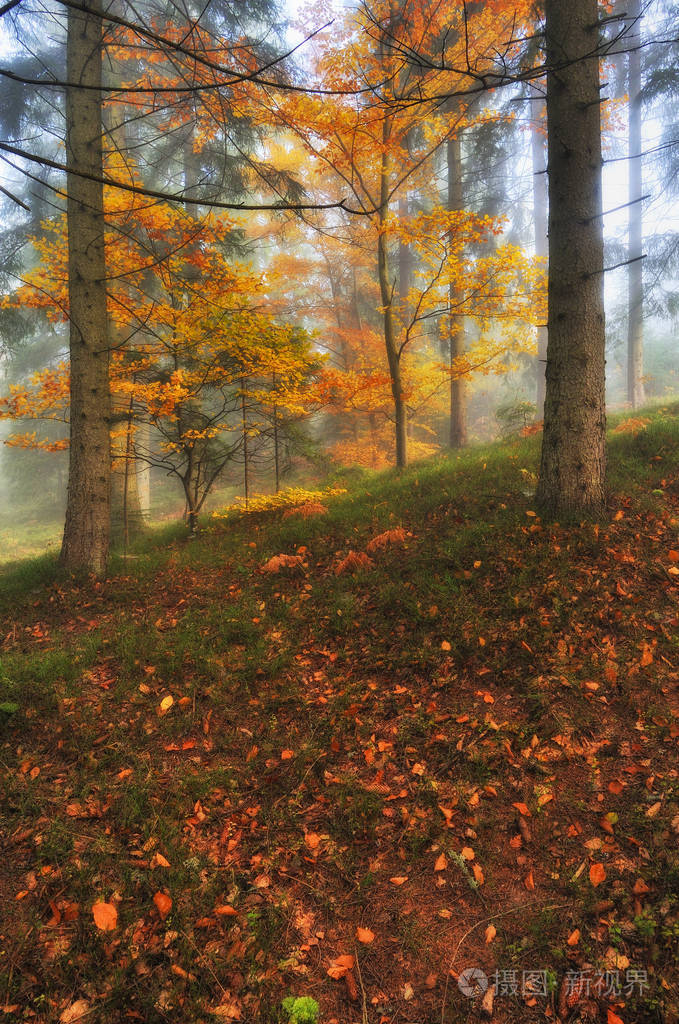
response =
{"points": [[105, 916], [445, 646], [287, 755], [646, 656], [76, 1012], [441, 863], [163, 904], [491, 932], [478, 874], [612, 1018], [181, 973], [467, 853], [522, 809], [673, 555], [616, 787], [529, 881], [573, 938], [365, 935], [158, 861], [398, 879], [312, 840], [597, 874], [226, 910], [339, 967]]}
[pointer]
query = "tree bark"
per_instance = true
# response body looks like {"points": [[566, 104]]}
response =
{"points": [[572, 471], [635, 328], [86, 531], [405, 265], [387, 297], [456, 333], [540, 205]]}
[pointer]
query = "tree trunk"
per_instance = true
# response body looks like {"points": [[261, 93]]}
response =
{"points": [[127, 516], [86, 531], [246, 454], [635, 328], [456, 333], [387, 297], [540, 202], [405, 266], [572, 471]]}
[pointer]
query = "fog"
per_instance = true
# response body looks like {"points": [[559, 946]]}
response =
{"points": [[305, 281]]}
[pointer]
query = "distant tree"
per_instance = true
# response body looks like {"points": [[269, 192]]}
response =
{"points": [[635, 321]]}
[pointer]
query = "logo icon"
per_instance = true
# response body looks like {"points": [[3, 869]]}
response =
{"points": [[472, 982]]}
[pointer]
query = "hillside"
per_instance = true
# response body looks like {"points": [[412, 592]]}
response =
{"points": [[351, 777]]}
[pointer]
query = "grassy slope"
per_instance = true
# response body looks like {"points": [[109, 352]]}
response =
{"points": [[320, 724]]}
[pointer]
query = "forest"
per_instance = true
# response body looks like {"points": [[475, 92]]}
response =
{"points": [[339, 511]]}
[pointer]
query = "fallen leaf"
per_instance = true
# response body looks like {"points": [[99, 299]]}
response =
{"points": [[312, 840], [467, 853], [226, 910], [165, 704], [573, 938], [399, 879], [529, 881], [75, 1012], [181, 973], [597, 874], [163, 904], [227, 1011], [491, 932], [365, 935], [478, 874], [339, 967], [441, 863], [105, 916], [646, 656], [522, 809], [158, 861]]}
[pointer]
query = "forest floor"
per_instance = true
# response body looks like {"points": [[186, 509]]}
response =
{"points": [[353, 780]]}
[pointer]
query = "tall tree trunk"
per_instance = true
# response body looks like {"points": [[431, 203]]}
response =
{"points": [[572, 470], [540, 203], [86, 531], [387, 297], [246, 453], [405, 265], [456, 333], [635, 327]]}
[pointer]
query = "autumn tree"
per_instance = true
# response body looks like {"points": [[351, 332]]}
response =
{"points": [[203, 351], [382, 144]]}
